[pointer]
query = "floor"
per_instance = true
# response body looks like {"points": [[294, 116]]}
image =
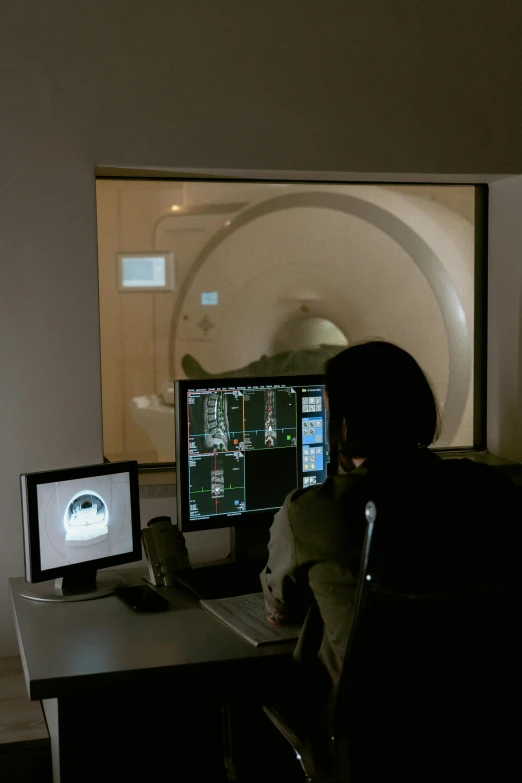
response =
{"points": [[25, 755]]}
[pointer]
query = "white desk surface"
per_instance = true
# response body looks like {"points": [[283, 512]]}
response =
{"points": [[86, 646]]}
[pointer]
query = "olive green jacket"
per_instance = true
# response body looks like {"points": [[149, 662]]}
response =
{"points": [[314, 551], [463, 520]]}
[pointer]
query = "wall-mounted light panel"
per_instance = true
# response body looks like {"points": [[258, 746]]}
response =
{"points": [[146, 272]]}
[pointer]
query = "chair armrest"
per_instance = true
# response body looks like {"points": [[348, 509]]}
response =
{"points": [[312, 750]]}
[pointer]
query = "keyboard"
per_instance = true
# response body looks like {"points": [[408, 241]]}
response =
{"points": [[246, 615], [252, 605]]}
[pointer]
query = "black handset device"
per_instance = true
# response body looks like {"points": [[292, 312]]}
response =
{"points": [[142, 598]]}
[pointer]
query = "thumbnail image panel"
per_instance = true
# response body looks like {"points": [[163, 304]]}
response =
{"points": [[312, 431], [217, 484], [312, 404], [312, 458]]}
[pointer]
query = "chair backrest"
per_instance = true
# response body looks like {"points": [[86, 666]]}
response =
{"points": [[426, 672]]}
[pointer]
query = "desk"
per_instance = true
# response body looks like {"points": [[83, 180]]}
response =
{"points": [[90, 662]]}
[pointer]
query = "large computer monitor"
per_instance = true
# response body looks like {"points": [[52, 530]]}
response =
{"points": [[76, 521], [242, 444]]}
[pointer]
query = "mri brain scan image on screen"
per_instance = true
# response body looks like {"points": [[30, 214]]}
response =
{"points": [[84, 519]]}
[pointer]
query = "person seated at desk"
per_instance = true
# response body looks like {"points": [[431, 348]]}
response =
{"points": [[383, 415]]}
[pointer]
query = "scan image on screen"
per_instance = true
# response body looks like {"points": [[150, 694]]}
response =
{"points": [[249, 445], [240, 420], [84, 519]]}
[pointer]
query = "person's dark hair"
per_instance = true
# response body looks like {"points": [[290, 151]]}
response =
{"points": [[380, 402]]}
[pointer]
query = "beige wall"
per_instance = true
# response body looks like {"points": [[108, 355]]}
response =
{"points": [[405, 89]]}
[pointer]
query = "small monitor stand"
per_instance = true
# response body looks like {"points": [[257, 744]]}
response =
{"points": [[249, 543], [81, 584]]}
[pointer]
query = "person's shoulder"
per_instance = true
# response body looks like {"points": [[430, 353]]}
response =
{"points": [[480, 479], [465, 466]]}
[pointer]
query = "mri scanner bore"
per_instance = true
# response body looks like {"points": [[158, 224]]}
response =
{"points": [[84, 519], [273, 279]]}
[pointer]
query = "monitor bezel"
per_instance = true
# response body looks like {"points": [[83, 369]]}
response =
{"points": [[253, 518], [29, 483]]}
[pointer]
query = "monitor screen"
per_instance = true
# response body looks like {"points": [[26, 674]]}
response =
{"points": [[244, 444], [78, 516], [146, 271]]}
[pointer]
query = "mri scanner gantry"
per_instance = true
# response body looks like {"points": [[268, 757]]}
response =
{"points": [[371, 261]]}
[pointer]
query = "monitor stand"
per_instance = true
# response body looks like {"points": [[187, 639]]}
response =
{"points": [[249, 544], [239, 573], [83, 584]]}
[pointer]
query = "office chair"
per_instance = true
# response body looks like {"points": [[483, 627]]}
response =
{"points": [[422, 695]]}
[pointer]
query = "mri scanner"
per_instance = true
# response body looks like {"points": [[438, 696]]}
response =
{"points": [[308, 269]]}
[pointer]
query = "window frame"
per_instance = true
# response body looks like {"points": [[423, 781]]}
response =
{"points": [[480, 293]]}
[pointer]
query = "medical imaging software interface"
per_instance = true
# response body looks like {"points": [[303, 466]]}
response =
{"points": [[84, 519], [249, 446]]}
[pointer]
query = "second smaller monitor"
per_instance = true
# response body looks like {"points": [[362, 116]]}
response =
{"points": [[243, 444], [79, 520]]}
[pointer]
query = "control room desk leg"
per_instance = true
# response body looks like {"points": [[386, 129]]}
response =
{"points": [[61, 716], [50, 708]]}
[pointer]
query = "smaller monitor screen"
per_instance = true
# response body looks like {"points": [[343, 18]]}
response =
{"points": [[84, 519], [243, 445], [78, 516]]}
